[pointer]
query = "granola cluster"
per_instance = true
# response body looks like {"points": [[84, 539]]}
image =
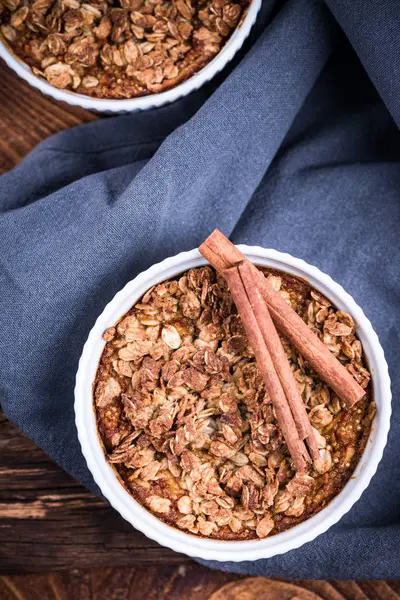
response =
{"points": [[118, 49], [187, 423]]}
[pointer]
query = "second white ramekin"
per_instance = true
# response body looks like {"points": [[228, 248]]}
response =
{"points": [[234, 43], [178, 540]]}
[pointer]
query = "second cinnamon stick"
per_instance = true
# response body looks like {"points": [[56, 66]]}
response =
{"points": [[279, 358], [273, 385]]}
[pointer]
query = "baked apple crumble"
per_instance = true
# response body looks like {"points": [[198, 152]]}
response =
{"points": [[118, 49], [188, 426]]}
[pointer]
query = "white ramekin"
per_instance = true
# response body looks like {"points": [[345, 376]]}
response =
{"points": [[189, 544], [234, 43]]}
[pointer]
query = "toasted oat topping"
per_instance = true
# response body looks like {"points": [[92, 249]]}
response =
{"points": [[118, 49], [186, 421]]}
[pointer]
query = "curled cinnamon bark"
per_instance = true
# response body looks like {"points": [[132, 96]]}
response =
{"points": [[279, 358], [267, 370], [222, 254]]}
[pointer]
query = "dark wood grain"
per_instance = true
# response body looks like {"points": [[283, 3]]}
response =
{"points": [[49, 522], [186, 582], [28, 117]]}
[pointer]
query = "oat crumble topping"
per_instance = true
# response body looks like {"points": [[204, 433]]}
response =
{"points": [[118, 49], [185, 419]]}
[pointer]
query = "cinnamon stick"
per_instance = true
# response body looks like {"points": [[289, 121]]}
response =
{"points": [[279, 358], [222, 254], [273, 385]]}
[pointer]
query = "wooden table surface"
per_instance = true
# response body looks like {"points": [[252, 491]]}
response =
{"points": [[27, 117], [57, 540]]}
